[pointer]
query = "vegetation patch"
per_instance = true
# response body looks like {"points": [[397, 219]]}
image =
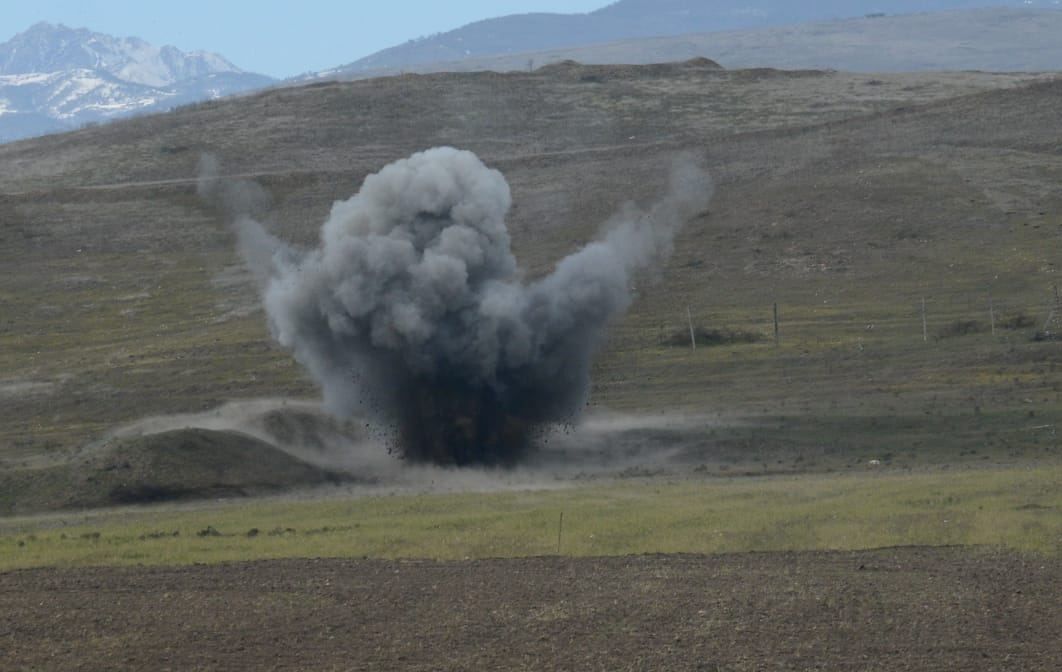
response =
{"points": [[712, 337], [1017, 322], [961, 328], [883, 507]]}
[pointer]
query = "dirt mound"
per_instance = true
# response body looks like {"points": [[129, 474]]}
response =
{"points": [[702, 62], [569, 69], [175, 465], [312, 431]]}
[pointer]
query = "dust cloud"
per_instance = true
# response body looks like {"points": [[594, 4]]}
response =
{"points": [[413, 311]]}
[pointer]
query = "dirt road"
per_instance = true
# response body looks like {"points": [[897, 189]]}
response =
{"points": [[897, 609]]}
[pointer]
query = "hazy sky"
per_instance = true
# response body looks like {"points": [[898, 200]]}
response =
{"points": [[274, 37]]}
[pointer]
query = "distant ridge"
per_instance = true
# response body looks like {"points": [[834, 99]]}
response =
{"points": [[999, 39], [634, 19], [584, 71]]}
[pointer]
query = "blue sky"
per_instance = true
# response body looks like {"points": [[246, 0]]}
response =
{"points": [[274, 37]]}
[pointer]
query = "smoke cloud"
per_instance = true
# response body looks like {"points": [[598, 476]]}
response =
{"points": [[413, 310]]}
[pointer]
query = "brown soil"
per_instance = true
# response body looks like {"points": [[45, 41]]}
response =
{"points": [[894, 609]]}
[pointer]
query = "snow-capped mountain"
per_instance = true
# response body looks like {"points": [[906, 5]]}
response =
{"points": [[55, 78]]}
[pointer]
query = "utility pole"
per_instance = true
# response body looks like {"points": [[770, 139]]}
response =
{"points": [[925, 325], [693, 334]]}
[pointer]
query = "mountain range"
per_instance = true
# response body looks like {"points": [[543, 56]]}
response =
{"points": [[632, 19], [999, 39], [55, 78]]}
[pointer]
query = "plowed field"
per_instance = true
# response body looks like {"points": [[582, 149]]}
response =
{"points": [[895, 609]]}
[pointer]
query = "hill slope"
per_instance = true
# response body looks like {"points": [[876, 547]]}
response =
{"points": [[996, 39], [624, 20], [846, 199]]}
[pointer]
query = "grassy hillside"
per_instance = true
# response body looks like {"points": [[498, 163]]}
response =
{"points": [[845, 199]]}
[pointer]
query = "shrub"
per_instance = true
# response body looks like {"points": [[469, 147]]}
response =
{"points": [[961, 328], [1019, 321], [711, 337]]}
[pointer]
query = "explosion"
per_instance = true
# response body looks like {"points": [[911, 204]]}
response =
{"points": [[413, 309]]}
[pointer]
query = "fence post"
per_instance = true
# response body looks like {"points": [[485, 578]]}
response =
{"points": [[925, 325], [777, 334]]}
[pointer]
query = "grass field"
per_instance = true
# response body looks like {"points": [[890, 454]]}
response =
{"points": [[844, 199], [1015, 509]]}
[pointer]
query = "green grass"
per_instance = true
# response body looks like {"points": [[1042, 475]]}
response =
{"points": [[142, 335], [1019, 509]]}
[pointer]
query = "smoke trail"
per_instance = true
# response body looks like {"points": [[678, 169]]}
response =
{"points": [[412, 308]]}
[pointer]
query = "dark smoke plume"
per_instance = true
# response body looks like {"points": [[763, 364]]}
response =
{"points": [[412, 309]]}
